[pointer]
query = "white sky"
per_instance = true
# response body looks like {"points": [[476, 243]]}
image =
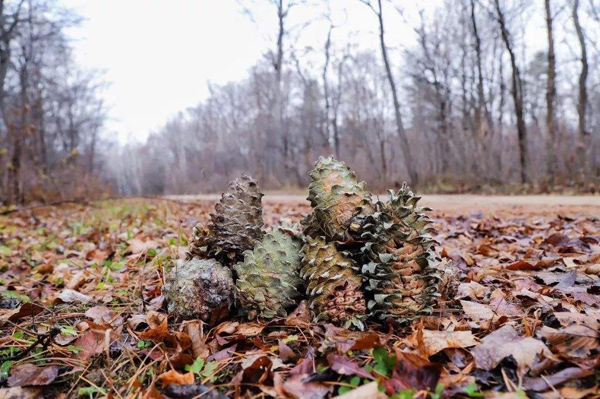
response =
{"points": [[159, 55]]}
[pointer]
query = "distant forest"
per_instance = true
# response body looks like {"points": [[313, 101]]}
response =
{"points": [[466, 104]]}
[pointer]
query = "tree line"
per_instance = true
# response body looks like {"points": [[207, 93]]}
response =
{"points": [[52, 114], [468, 103], [486, 94]]}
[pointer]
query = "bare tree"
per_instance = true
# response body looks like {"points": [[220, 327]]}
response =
{"points": [[551, 92], [401, 131], [481, 100], [516, 91], [582, 98]]}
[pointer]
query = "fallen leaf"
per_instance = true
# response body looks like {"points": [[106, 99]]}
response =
{"points": [[299, 317], [522, 265], [31, 375], [20, 393], [285, 352], [436, 341], [487, 250], [506, 342], [137, 246], [574, 341], [567, 318], [472, 290], [344, 366], [199, 347], [104, 316], [412, 371], [173, 377], [26, 310], [249, 329], [298, 388], [477, 311], [160, 334], [541, 384], [72, 296], [92, 343], [367, 391], [557, 239]]}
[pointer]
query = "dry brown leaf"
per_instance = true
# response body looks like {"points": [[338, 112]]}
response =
{"points": [[174, 377], [477, 311], [20, 393], [31, 375], [104, 316], [574, 341], [194, 331], [92, 343], [296, 387], [72, 296], [506, 342], [367, 391], [436, 341], [487, 250], [160, 334], [472, 290], [137, 246]]}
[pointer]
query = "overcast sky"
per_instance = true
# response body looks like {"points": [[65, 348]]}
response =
{"points": [[159, 55]]}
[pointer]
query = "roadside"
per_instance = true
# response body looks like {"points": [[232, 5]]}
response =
{"points": [[463, 203]]}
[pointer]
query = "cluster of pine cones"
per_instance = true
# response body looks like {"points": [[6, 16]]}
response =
{"points": [[354, 257]]}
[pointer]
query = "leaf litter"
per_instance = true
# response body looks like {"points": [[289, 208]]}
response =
{"points": [[82, 315]]}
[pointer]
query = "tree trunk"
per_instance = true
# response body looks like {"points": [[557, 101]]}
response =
{"points": [[328, 121], [517, 94], [407, 155], [582, 96], [551, 95]]}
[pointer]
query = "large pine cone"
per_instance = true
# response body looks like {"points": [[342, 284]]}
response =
{"points": [[267, 280], [404, 274]]}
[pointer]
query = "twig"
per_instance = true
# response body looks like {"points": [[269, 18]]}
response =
{"points": [[44, 339]]}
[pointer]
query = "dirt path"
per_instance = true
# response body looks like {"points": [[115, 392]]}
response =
{"points": [[531, 204]]}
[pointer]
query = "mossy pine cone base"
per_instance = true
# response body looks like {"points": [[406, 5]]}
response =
{"points": [[235, 226], [267, 280], [338, 200], [333, 284], [199, 289]]}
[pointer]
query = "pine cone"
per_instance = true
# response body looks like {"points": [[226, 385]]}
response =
{"points": [[267, 279], [401, 265], [333, 284], [235, 225], [199, 289]]}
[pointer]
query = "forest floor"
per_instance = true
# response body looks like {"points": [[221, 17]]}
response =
{"points": [[82, 315]]}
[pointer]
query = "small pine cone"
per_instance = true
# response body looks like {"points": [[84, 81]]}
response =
{"points": [[199, 243]]}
